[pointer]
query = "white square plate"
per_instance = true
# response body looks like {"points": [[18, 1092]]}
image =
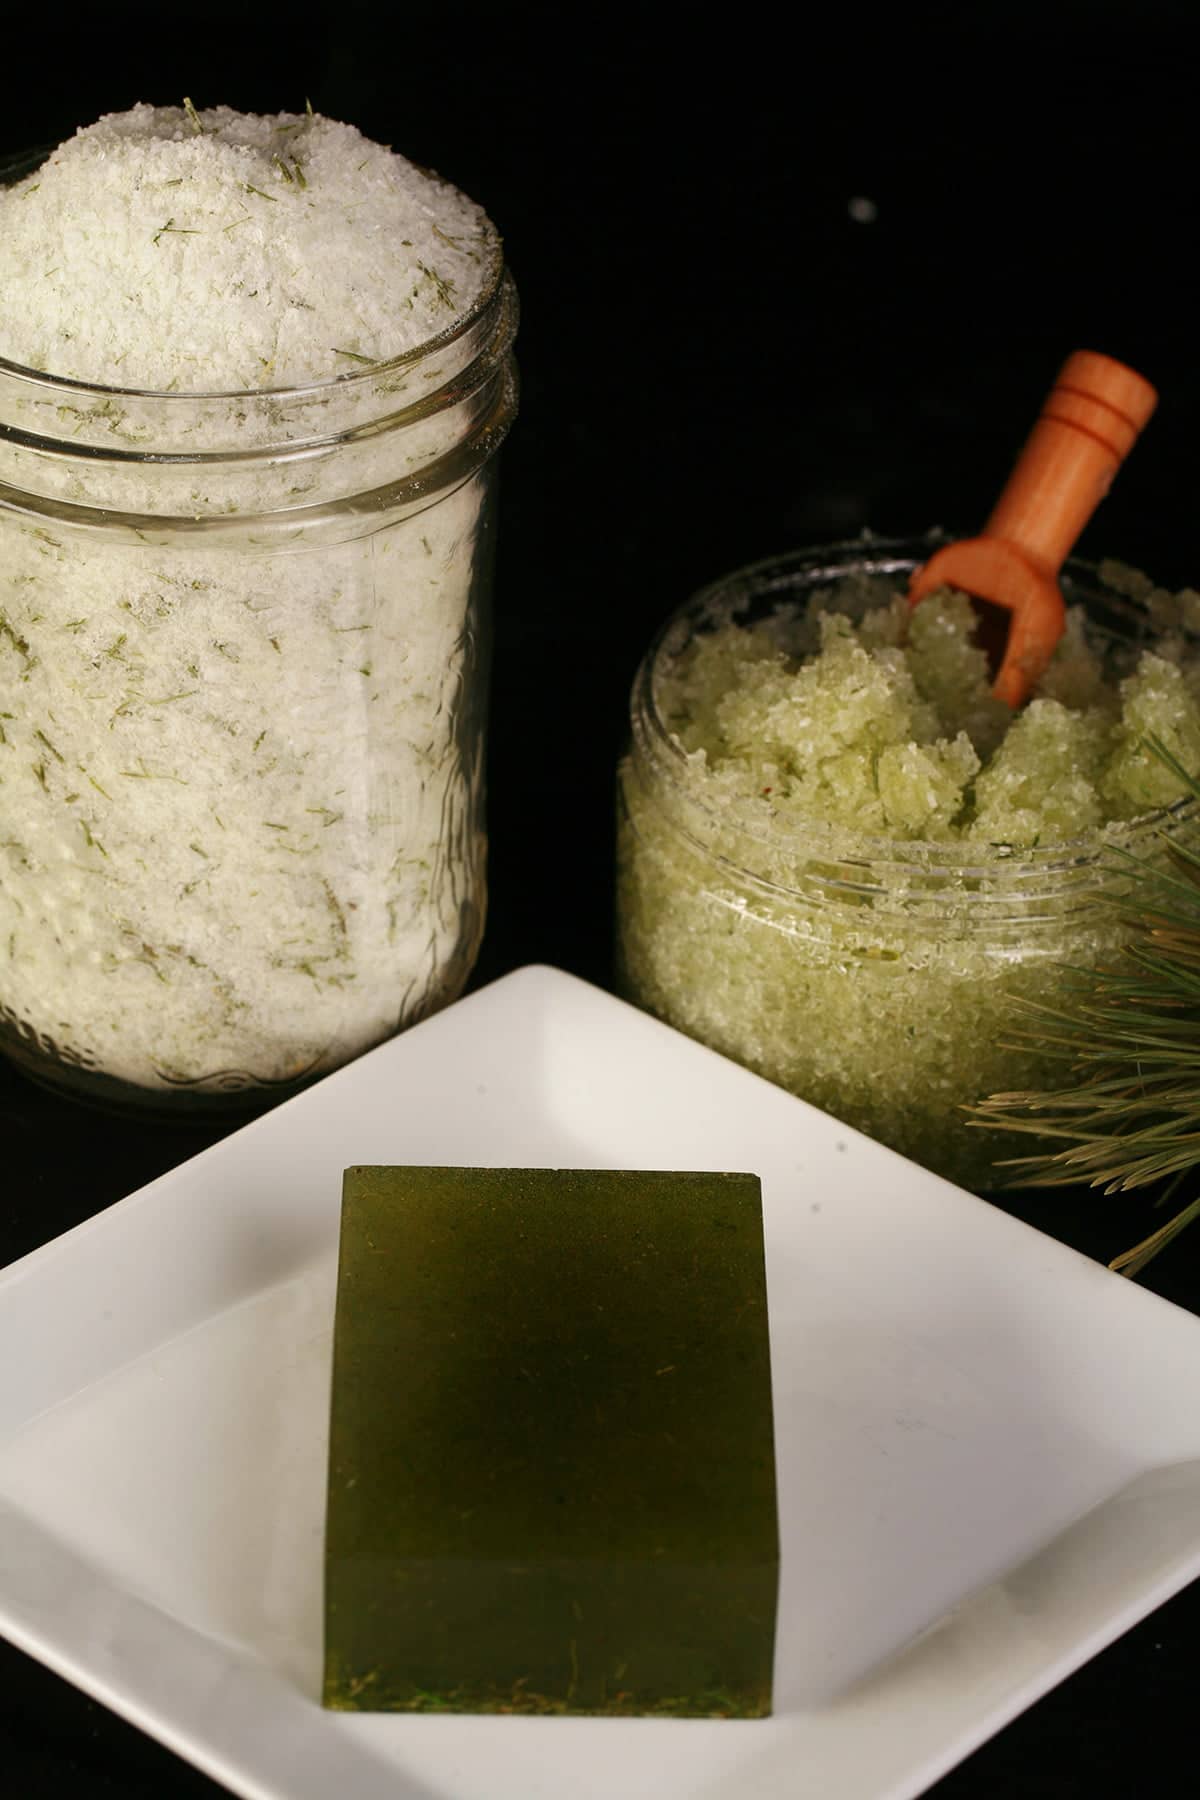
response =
{"points": [[989, 1447]]}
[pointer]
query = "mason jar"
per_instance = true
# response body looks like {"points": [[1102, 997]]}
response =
{"points": [[875, 979], [243, 664]]}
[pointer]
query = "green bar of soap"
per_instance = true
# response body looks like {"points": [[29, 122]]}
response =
{"points": [[551, 1471]]}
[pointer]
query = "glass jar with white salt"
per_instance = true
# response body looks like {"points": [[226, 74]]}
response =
{"points": [[840, 860], [253, 376]]}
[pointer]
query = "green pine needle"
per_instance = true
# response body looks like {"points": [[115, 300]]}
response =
{"points": [[1127, 1116]]}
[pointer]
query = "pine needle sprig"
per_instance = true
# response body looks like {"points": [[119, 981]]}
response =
{"points": [[1127, 1115]]}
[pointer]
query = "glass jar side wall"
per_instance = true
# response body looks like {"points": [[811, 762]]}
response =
{"points": [[865, 1014], [241, 831]]}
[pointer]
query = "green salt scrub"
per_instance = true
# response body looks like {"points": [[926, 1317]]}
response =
{"points": [[840, 855], [890, 729]]}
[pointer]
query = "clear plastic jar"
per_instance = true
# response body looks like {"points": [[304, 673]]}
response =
{"points": [[871, 978], [243, 665]]}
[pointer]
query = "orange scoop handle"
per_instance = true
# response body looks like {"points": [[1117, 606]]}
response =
{"points": [[1088, 424]]}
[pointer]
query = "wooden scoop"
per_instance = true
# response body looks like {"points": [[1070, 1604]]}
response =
{"points": [[1088, 425]]}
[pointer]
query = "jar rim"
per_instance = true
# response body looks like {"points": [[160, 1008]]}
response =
{"points": [[23, 163], [813, 841]]}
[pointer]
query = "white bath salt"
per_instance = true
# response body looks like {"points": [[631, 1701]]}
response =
{"points": [[178, 250], [240, 763]]}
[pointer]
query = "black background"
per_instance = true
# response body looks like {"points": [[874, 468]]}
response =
{"points": [[719, 361]]}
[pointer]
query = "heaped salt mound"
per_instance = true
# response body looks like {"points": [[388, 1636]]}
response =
{"points": [[890, 729], [167, 249]]}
